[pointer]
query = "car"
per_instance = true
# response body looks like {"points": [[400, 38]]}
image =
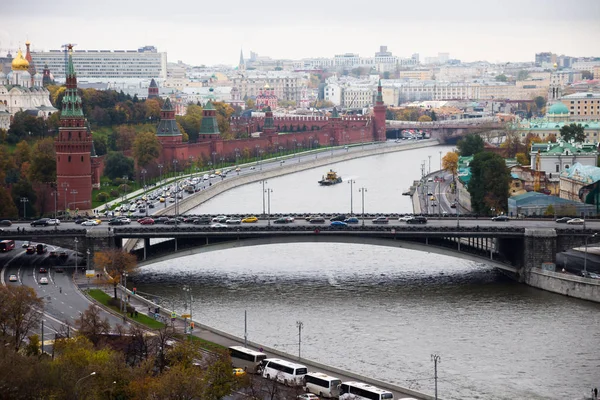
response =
{"points": [[12, 278], [433, 204], [501, 218], [281, 220], [202, 221], [419, 219], [238, 169], [219, 218], [43, 270], [171, 221], [160, 220], [405, 218], [218, 225], [429, 193], [26, 244], [340, 217], [43, 281], [250, 220], [213, 175], [30, 250], [53, 221], [338, 224], [79, 220], [290, 219], [233, 221], [188, 220], [381, 220], [59, 270], [317, 220], [307, 396], [351, 220], [576, 221], [125, 220], [239, 372], [171, 199], [453, 205], [150, 205], [5, 222], [563, 220], [253, 167], [162, 200], [146, 221], [40, 222], [115, 221], [53, 253], [89, 222], [312, 217]]}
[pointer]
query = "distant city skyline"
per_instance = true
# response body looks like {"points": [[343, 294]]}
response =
{"points": [[204, 33]]}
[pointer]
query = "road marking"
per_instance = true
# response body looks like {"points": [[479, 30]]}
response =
{"points": [[6, 266]]}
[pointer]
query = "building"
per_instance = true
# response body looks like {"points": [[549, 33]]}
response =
{"points": [[580, 183], [537, 204], [77, 166], [266, 98], [556, 157], [153, 90], [144, 63], [582, 106], [20, 91]]}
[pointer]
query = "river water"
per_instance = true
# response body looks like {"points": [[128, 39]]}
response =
{"points": [[381, 311]]}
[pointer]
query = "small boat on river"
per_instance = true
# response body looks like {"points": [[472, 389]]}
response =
{"points": [[330, 179]]}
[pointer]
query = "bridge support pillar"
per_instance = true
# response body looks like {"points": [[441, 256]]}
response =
{"points": [[146, 247], [540, 246]]}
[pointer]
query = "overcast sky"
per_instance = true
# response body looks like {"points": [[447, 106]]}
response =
{"points": [[213, 32]]}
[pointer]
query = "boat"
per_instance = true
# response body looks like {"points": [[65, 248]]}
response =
{"points": [[330, 179]]}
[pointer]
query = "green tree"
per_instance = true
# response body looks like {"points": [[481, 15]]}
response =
{"points": [[118, 165], [470, 145], [100, 145], [573, 131], [523, 159], [489, 183], [23, 189], [424, 118], [43, 161], [540, 102], [146, 148], [22, 153], [522, 75], [501, 78], [8, 209], [587, 75], [549, 211]]}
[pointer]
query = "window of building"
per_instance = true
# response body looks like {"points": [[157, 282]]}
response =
{"points": [[557, 168], [69, 158]]}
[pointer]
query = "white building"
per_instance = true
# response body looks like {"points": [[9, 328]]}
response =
{"points": [[287, 85], [333, 93], [102, 65]]}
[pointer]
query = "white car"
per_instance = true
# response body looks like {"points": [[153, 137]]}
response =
{"points": [[125, 220], [218, 225], [43, 281], [12, 278], [89, 222], [405, 218], [576, 221], [53, 221], [233, 221], [290, 219]]}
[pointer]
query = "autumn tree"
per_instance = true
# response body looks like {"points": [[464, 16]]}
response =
{"points": [[573, 132], [22, 153], [91, 325], [125, 137], [146, 148], [43, 161], [116, 262], [450, 162], [424, 118], [250, 104], [19, 312], [224, 113], [218, 381], [8, 209], [191, 121], [523, 159]]}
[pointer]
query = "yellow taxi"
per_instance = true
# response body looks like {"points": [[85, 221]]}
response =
{"points": [[162, 200], [218, 172], [98, 221], [250, 220], [238, 372]]}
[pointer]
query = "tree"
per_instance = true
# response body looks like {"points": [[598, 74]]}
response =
{"points": [[100, 145], [250, 104], [501, 78], [146, 148], [118, 165], [540, 102], [218, 381], [489, 183], [8, 209], [91, 325], [470, 145], [125, 137], [224, 113], [22, 153], [549, 211], [19, 312], [43, 161], [115, 262], [23, 189], [424, 118], [523, 159], [522, 75], [573, 132], [450, 162]]}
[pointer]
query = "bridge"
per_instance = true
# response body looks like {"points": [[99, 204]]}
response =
{"points": [[447, 131], [515, 247]]}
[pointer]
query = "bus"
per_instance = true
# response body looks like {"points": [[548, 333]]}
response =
{"points": [[359, 390], [7, 245], [322, 385], [247, 359], [286, 372]]}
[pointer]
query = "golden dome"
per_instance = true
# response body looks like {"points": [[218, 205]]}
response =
{"points": [[19, 63]]}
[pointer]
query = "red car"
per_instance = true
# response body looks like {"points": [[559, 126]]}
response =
{"points": [[146, 221]]}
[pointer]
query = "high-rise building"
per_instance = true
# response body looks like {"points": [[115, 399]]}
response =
{"points": [[143, 63]]}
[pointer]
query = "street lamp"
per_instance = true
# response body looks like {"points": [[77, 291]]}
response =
{"points": [[222, 162], [585, 256], [331, 140], [144, 177], [260, 152], [188, 292], [76, 254], [66, 186], [237, 155], [175, 162], [269, 191], [24, 201], [160, 167], [363, 190], [263, 182], [299, 147], [77, 383], [294, 141], [74, 193], [351, 182]]}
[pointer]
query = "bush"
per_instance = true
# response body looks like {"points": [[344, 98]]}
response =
{"points": [[124, 188], [114, 193], [102, 197]]}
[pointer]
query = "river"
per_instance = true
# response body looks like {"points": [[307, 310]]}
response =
{"points": [[381, 311]]}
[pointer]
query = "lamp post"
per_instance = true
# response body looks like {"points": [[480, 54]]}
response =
{"points": [[280, 151], [24, 201], [269, 191], [299, 147], [237, 155], [294, 141], [363, 190], [160, 167], [263, 182], [260, 153], [351, 182], [440, 160], [222, 159], [585, 256], [144, 177], [191, 162], [65, 185], [188, 293], [256, 148], [429, 170], [77, 383], [331, 140], [214, 160], [76, 254], [175, 162], [74, 193], [300, 325]]}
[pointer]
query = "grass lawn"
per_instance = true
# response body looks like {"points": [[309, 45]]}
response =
{"points": [[104, 299], [205, 344]]}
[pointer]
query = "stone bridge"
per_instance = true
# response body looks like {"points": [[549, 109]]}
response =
{"points": [[448, 131], [513, 249]]}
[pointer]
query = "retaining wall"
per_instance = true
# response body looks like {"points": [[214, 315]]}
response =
{"points": [[566, 284]]}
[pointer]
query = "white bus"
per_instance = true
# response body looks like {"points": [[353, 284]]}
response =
{"points": [[359, 390], [286, 372], [322, 385], [247, 359]]}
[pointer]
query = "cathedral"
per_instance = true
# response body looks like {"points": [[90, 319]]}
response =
{"points": [[22, 89]]}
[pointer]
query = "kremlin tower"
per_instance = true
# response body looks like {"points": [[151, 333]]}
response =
{"points": [[74, 147], [379, 110]]}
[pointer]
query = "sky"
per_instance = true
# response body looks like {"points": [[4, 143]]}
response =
{"points": [[201, 32]]}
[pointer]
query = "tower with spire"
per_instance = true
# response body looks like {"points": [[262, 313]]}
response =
{"points": [[74, 147], [379, 116], [153, 90], [31, 68], [242, 63]]}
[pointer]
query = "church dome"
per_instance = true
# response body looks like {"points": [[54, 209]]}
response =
{"points": [[558, 109], [19, 63]]}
